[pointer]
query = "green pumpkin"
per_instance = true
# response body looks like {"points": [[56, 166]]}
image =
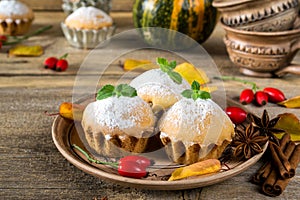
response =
{"points": [[195, 18]]}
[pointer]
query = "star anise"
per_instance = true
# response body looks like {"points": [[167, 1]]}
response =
{"points": [[248, 142], [266, 126]]}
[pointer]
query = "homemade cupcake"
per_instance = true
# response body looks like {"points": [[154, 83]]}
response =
{"points": [[87, 27], [195, 129], [158, 89], [15, 17], [118, 125]]}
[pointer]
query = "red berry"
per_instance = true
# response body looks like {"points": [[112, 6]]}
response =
{"points": [[261, 98], [141, 160], [0, 44], [3, 38], [50, 63], [62, 65], [132, 169], [246, 96], [236, 114], [274, 95]]}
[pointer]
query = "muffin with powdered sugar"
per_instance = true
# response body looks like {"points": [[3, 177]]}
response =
{"points": [[15, 17], [87, 27], [195, 128], [119, 122]]}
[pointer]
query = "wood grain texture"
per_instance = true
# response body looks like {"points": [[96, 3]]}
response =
{"points": [[32, 168], [55, 5]]}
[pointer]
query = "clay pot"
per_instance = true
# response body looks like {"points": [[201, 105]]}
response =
{"points": [[258, 15], [263, 54]]}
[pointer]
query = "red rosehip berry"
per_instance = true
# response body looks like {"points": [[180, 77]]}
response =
{"points": [[50, 63], [274, 94], [246, 96], [0, 44], [132, 169], [3, 38], [62, 65], [236, 114], [261, 98]]}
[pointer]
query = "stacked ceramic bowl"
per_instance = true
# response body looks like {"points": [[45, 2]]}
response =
{"points": [[261, 35]]}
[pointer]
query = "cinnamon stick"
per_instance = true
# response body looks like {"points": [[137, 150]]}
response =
{"points": [[295, 160], [280, 160], [274, 184], [281, 184], [263, 173], [267, 186], [286, 138]]}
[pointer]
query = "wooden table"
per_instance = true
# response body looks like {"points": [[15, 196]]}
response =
{"points": [[30, 165]]}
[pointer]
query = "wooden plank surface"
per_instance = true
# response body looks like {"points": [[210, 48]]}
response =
{"points": [[31, 166], [56, 5]]}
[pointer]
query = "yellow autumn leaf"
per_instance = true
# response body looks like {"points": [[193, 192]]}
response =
{"points": [[291, 103], [196, 169], [71, 111], [190, 73], [209, 89], [131, 64], [291, 124], [23, 50]]}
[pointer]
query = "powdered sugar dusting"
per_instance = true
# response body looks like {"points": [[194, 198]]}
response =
{"points": [[160, 80], [13, 7], [124, 113], [188, 114], [201, 121], [89, 14]]}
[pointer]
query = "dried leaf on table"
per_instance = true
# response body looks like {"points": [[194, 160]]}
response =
{"points": [[71, 111], [196, 169], [190, 73], [131, 64], [291, 124], [23, 50], [291, 103]]}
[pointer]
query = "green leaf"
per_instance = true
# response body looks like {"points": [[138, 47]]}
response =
{"points": [[105, 92], [173, 64], [124, 90], [118, 90], [164, 68], [205, 95], [128, 91], [176, 77], [161, 61], [187, 93], [196, 93], [195, 85], [195, 96], [167, 67]]}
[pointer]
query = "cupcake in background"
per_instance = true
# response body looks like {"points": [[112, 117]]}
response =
{"points": [[15, 17], [86, 27], [70, 6]]}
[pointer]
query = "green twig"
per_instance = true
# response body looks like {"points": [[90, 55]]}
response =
{"points": [[25, 37], [232, 78], [112, 164], [64, 56]]}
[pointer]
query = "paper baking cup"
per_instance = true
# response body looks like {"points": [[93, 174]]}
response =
{"points": [[15, 27], [87, 39]]}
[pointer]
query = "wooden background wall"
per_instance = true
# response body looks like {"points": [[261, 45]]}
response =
{"points": [[55, 5]]}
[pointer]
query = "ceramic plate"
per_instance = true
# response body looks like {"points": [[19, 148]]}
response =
{"points": [[66, 132]]}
